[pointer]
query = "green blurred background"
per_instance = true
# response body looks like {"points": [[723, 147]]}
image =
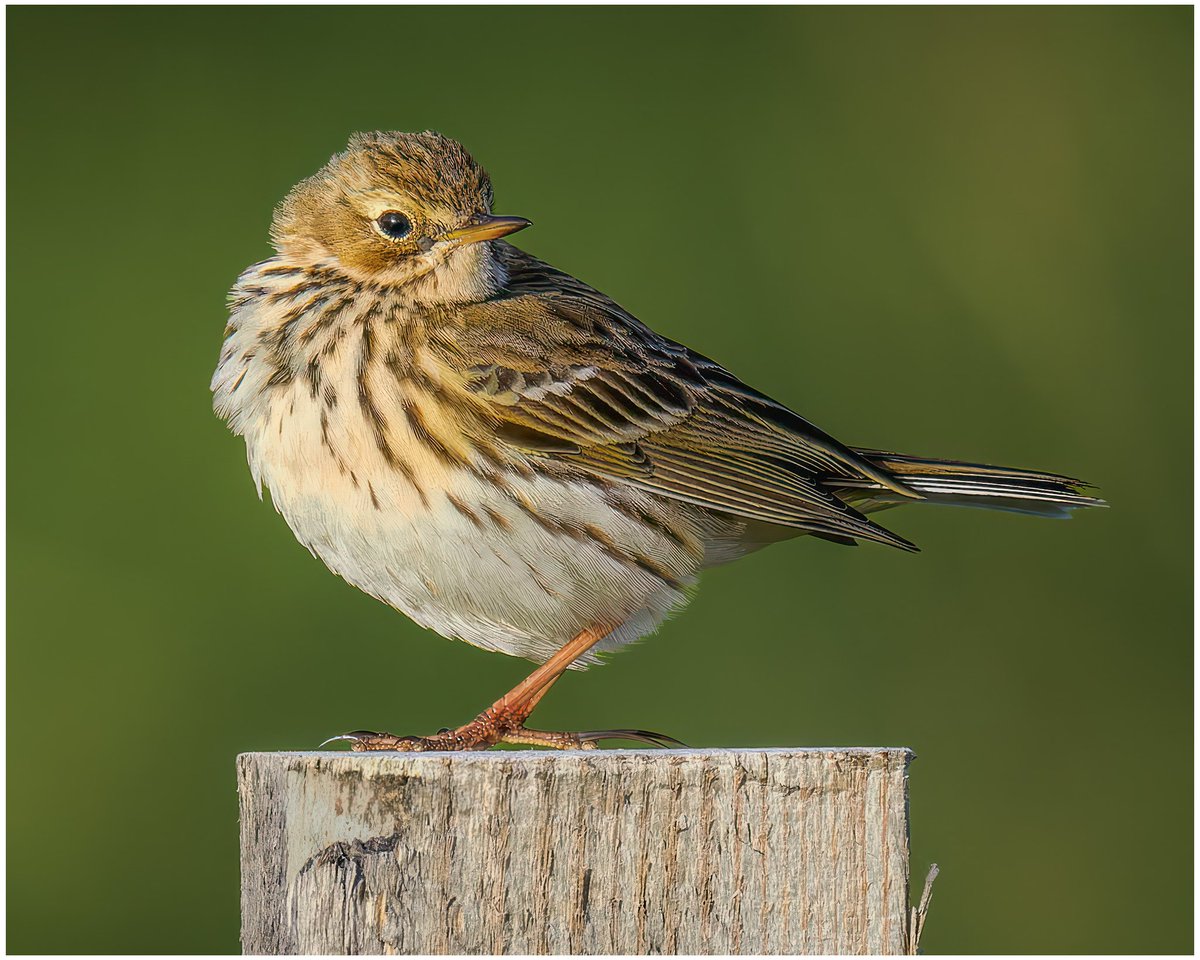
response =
{"points": [[960, 232]]}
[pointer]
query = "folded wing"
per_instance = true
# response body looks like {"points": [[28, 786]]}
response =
{"points": [[565, 373]]}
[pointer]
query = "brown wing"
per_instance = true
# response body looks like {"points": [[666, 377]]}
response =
{"points": [[566, 373]]}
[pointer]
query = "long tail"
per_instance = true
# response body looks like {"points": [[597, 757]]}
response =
{"points": [[969, 485]]}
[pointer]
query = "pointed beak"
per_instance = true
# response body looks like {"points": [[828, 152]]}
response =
{"points": [[487, 228]]}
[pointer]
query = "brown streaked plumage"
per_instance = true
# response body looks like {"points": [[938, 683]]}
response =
{"points": [[504, 453]]}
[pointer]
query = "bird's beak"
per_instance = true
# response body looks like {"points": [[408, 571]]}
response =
{"points": [[487, 228]]}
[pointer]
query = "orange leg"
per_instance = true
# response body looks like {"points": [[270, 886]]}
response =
{"points": [[504, 720]]}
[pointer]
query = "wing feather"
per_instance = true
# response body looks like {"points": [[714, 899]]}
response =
{"points": [[564, 372]]}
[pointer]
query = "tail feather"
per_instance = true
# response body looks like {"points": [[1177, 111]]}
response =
{"points": [[955, 483]]}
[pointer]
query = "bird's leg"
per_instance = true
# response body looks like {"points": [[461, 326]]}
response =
{"points": [[505, 717], [504, 720]]}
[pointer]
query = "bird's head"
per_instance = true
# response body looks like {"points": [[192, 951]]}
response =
{"points": [[410, 210]]}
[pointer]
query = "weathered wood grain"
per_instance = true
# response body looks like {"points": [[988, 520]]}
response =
{"points": [[641, 851]]}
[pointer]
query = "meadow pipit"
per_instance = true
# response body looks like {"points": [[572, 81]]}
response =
{"points": [[502, 452]]}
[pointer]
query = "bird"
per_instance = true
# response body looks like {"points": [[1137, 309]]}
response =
{"points": [[508, 456]]}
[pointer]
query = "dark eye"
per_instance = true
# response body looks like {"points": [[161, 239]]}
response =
{"points": [[394, 224]]}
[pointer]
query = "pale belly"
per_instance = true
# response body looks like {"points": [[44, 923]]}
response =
{"points": [[519, 568]]}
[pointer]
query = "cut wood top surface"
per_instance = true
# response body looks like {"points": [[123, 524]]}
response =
{"points": [[541, 755]]}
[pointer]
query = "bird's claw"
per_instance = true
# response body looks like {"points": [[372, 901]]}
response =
{"points": [[644, 736], [362, 741]]}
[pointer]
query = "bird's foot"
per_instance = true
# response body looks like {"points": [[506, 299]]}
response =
{"points": [[504, 720], [586, 740], [489, 729]]}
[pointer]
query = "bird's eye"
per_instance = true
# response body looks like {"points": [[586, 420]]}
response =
{"points": [[394, 224]]}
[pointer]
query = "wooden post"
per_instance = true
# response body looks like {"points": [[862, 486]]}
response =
{"points": [[628, 852]]}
